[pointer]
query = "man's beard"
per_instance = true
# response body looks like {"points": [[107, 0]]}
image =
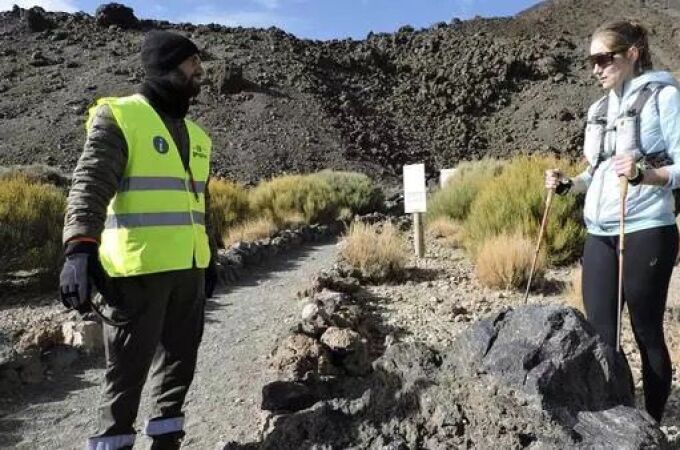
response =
{"points": [[188, 87]]}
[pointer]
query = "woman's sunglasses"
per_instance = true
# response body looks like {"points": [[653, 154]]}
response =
{"points": [[602, 59]]}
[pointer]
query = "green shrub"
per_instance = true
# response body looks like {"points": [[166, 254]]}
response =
{"points": [[31, 222], [283, 196], [229, 205], [514, 201], [454, 199], [353, 191]]}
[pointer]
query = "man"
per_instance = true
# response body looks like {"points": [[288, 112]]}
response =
{"points": [[135, 226]]}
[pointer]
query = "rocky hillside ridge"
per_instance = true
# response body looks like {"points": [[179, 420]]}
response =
{"points": [[275, 103]]}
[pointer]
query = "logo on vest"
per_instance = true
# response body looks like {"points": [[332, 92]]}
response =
{"points": [[199, 152], [161, 145]]}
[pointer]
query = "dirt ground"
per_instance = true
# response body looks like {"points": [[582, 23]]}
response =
{"points": [[440, 297], [243, 323]]}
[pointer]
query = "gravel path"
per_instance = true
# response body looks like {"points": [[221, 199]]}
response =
{"points": [[242, 325]]}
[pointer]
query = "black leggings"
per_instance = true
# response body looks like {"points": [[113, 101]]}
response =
{"points": [[649, 259]]}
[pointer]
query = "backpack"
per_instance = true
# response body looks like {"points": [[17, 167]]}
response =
{"points": [[656, 160]]}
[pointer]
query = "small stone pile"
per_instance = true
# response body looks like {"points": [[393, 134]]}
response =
{"points": [[48, 347]]}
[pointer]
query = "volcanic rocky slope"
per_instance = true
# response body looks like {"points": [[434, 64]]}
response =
{"points": [[275, 103]]}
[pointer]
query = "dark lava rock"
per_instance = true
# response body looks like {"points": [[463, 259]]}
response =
{"points": [[438, 95], [550, 353], [230, 79], [116, 14], [287, 396], [36, 20], [533, 377]]}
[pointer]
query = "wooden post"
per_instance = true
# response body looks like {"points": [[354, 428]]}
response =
{"points": [[418, 234]]}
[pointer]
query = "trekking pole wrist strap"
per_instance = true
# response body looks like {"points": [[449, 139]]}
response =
{"points": [[564, 186], [638, 177]]}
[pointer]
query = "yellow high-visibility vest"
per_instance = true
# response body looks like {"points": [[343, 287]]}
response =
{"points": [[156, 221]]}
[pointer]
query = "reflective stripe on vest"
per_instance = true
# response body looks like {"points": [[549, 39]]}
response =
{"points": [[158, 184], [156, 221]]}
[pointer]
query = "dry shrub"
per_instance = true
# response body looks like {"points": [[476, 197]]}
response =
{"points": [[377, 252], [292, 221], [574, 296], [228, 205], [306, 195], [504, 261], [250, 231], [353, 191], [514, 202], [448, 230], [31, 222], [38, 173], [454, 199]]}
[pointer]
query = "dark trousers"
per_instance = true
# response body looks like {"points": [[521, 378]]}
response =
{"points": [[166, 314], [648, 263]]}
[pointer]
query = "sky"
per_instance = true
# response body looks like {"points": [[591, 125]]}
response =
{"points": [[313, 19]]}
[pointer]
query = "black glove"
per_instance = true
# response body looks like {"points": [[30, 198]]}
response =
{"points": [[75, 285], [211, 278]]}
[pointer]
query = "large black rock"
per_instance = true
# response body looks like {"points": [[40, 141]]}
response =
{"points": [[548, 352], [533, 377], [36, 19], [116, 14]]}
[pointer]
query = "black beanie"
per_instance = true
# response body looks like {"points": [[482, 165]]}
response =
{"points": [[162, 51]]}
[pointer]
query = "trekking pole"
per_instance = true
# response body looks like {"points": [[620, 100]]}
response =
{"points": [[544, 222], [623, 191]]}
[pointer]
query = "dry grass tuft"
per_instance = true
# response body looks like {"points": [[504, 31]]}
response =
{"points": [[574, 294], [448, 230], [31, 221], [504, 261], [379, 253], [228, 205], [250, 231], [292, 221]]}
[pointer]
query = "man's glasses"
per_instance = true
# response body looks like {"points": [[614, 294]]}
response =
{"points": [[601, 59]]}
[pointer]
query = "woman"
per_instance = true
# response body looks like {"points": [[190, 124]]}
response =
{"points": [[633, 131]]}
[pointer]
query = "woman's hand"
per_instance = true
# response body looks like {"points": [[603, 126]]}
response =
{"points": [[624, 166], [553, 177]]}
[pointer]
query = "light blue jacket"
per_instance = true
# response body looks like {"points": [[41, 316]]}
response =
{"points": [[646, 206]]}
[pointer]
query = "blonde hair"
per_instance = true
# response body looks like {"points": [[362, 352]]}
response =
{"points": [[620, 35]]}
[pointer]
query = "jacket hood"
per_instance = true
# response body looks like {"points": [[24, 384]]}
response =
{"points": [[654, 76]]}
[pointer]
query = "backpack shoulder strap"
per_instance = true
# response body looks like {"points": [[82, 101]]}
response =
{"points": [[647, 91], [599, 111]]}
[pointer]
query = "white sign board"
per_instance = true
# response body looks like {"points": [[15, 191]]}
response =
{"points": [[445, 176], [415, 194]]}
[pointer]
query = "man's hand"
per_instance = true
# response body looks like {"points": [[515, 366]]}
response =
{"points": [[211, 278], [75, 287]]}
